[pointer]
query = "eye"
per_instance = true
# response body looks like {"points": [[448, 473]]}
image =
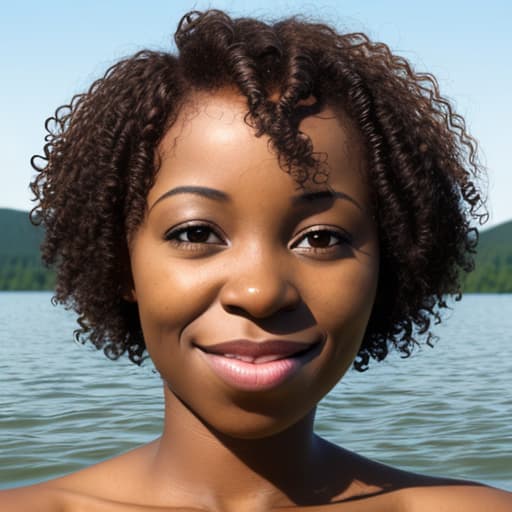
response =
{"points": [[193, 234], [322, 239]]}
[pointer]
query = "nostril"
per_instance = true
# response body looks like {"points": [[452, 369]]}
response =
{"points": [[235, 310], [250, 312]]}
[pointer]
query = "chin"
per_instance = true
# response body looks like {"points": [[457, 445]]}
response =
{"points": [[253, 425]]}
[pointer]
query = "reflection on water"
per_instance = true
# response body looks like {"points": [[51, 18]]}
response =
{"points": [[445, 411]]}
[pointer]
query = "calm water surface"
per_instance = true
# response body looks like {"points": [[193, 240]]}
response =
{"points": [[444, 411]]}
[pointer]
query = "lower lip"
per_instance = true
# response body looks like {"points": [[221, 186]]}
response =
{"points": [[254, 377]]}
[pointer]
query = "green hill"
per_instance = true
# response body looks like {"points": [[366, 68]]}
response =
{"points": [[21, 268], [20, 263], [493, 265]]}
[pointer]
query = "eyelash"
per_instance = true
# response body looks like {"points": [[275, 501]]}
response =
{"points": [[342, 239], [173, 236]]}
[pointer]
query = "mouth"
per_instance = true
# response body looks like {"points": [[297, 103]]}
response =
{"points": [[258, 366]]}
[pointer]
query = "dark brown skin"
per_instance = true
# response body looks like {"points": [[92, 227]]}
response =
{"points": [[257, 275], [98, 166]]}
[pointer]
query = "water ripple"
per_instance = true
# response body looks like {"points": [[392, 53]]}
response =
{"points": [[446, 410]]}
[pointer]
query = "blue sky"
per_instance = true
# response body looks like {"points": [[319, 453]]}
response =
{"points": [[52, 50]]}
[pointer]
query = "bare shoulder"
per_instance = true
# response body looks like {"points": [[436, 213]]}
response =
{"points": [[104, 487], [51, 498], [114, 478], [35, 497], [455, 498], [379, 487]]}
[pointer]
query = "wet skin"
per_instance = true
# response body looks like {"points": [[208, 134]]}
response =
{"points": [[231, 249]]}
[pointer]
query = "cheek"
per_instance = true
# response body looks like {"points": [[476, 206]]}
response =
{"points": [[346, 301], [344, 307], [169, 297]]}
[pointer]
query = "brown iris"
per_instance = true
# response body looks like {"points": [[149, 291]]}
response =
{"points": [[198, 234], [319, 239]]}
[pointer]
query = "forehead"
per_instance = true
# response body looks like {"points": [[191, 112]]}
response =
{"points": [[211, 144]]}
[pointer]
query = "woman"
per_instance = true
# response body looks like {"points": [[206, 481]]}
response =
{"points": [[258, 212]]}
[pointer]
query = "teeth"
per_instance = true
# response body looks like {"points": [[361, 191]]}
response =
{"points": [[258, 360], [267, 359], [246, 359]]}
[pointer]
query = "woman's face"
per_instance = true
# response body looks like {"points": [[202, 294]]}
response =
{"points": [[253, 294]]}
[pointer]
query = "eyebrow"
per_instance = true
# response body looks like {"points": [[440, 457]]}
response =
{"points": [[209, 193], [218, 195], [317, 195]]}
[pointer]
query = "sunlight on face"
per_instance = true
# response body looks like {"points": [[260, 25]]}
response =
{"points": [[232, 250]]}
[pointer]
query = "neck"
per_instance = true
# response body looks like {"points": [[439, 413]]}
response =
{"points": [[224, 473]]}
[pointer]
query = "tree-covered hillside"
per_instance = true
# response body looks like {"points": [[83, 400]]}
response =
{"points": [[20, 263], [493, 269], [21, 268]]}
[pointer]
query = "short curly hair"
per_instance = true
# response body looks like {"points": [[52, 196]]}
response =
{"points": [[99, 164]]}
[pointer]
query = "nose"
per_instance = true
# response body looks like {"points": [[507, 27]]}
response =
{"points": [[260, 287]]}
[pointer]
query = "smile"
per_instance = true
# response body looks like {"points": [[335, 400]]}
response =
{"points": [[258, 366]]}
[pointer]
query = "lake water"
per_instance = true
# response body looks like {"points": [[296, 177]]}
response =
{"points": [[444, 411]]}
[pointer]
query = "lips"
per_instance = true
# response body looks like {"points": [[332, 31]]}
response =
{"points": [[254, 366], [257, 352]]}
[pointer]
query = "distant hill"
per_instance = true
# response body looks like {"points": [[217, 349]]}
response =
{"points": [[20, 263], [21, 268], [493, 265]]}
